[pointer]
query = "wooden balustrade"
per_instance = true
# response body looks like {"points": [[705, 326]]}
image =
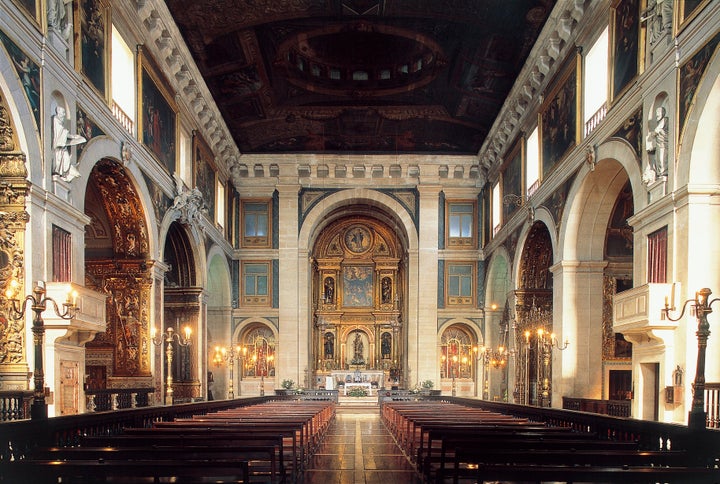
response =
{"points": [[117, 398], [712, 405], [615, 408], [15, 405]]}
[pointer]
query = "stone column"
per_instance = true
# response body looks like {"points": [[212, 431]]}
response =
{"points": [[294, 331], [422, 336]]}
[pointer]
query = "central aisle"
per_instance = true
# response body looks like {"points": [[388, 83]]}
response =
{"points": [[358, 449]]}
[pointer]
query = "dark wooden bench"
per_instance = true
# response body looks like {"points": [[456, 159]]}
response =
{"points": [[38, 471]]}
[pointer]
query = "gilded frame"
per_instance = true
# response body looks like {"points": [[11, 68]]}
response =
{"points": [[513, 177], [204, 172], [92, 24], [627, 42], [559, 119], [31, 9], [690, 75], [157, 113], [357, 286], [686, 11]]}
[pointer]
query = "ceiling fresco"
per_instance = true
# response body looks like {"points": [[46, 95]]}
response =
{"points": [[372, 76]]}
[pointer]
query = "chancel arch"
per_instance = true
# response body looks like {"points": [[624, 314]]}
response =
{"points": [[358, 291]]}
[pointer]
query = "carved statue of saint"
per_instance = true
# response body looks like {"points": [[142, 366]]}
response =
{"points": [[62, 141]]}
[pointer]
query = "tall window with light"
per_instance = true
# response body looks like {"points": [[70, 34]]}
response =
{"points": [[460, 282], [461, 224], [256, 283], [255, 224]]}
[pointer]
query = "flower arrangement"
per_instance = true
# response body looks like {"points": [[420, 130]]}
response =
{"points": [[427, 384], [287, 384], [357, 392]]}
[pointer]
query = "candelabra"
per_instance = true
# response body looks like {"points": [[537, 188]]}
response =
{"points": [[38, 304], [701, 306], [168, 337], [545, 345], [489, 357], [222, 354]]}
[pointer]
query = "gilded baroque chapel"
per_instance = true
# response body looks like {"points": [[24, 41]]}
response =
{"points": [[508, 201]]}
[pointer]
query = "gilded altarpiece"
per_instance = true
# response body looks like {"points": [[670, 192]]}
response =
{"points": [[13, 219], [358, 278], [128, 286], [533, 312]]}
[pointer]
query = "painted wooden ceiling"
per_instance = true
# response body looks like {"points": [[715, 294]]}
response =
{"points": [[367, 76]]}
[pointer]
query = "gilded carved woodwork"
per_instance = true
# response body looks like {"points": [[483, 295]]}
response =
{"points": [[357, 291], [128, 285], [13, 219], [123, 209]]}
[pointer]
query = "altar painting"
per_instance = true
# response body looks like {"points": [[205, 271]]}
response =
{"points": [[357, 286]]}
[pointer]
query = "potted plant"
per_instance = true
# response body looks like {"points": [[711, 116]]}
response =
{"points": [[287, 387], [426, 387]]}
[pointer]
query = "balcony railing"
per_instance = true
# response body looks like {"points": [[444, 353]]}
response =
{"points": [[123, 118], [595, 119], [712, 405]]}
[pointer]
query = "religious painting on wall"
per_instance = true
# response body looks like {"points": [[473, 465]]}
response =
{"points": [[204, 170], [91, 21], [687, 10], [157, 114], [357, 286], [559, 118], [29, 8], [512, 181], [28, 72], [689, 77], [86, 128], [625, 39]]}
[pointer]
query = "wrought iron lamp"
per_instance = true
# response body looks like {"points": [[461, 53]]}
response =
{"points": [[38, 304], [168, 337], [221, 355], [700, 307]]}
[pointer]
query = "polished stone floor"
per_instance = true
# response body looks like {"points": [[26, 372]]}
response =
{"points": [[358, 449]]}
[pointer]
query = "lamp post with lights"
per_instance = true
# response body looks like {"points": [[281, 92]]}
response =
{"points": [[38, 304], [701, 306], [168, 337], [221, 355]]}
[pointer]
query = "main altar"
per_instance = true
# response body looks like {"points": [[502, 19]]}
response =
{"points": [[358, 278]]}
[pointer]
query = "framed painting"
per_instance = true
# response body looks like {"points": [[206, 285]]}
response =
{"points": [[28, 72], [205, 173], [86, 127], [691, 73], [31, 8], [558, 117], [625, 56], [158, 113], [512, 179], [687, 10], [91, 20], [357, 286]]}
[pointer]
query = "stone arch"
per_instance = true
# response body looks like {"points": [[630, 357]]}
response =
{"points": [[118, 263], [387, 210], [218, 326], [699, 144], [259, 343], [579, 307]]}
